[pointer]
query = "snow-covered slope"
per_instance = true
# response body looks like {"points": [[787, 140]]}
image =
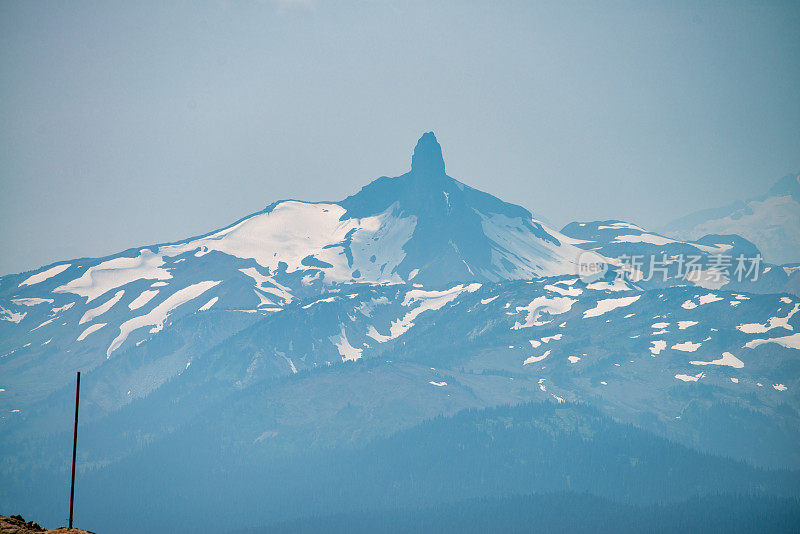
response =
{"points": [[712, 261], [771, 221]]}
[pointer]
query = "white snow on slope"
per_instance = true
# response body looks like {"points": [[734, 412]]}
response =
{"points": [[91, 314], [160, 313], [47, 322], [328, 299], [566, 291], [44, 275], [534, 359], [267, 284], [31, 301], [607, 305], [346, 350], [143, 298], [91, 329], [709, 298], [790, 342], [727, 359], [9, 315], [114, 273], [621, 225], [618, 284], [658, 346], [437, 384], [210, 303], [517, 254], [543, 304], [683, 325], [294, 230], [652, 239], [772, 322], [686, 346], [689, 378], [425, 300]]}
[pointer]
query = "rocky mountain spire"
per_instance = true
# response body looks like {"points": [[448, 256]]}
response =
{"points": [[427, 156]]}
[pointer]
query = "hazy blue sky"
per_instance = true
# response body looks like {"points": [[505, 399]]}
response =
{"points": [[138, 123]]}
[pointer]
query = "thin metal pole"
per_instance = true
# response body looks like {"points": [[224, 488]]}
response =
{"points": [[74, 448]]}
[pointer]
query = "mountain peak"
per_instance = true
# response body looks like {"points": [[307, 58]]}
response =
{"points": [[427, 156]]}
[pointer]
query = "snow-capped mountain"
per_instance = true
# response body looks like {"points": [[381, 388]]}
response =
{"points": [[771, 221], [334, 323], [421, 227]]}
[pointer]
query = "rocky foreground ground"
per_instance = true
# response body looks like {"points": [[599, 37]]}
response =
{"points": [[17, 525]]}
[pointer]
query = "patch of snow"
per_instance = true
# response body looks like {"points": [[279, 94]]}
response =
{"points": [[143, 298], [93, 328], [346, 350], [727, 359], [686, 346], [47, 322], [607, 305], [617, 284], [652, 239], [14, 317], [543, 304], [31, 301], [658, 346], [689, 378], [44, 275], [620, 225], [573, 359], [709, 298], [208, 304], [683, 325], [556, 337], [329, 299], [779, 387], [534, 359], [566, 291], [772, 322], [93, 313], [790, 342], [65, 307], [437, 384]]}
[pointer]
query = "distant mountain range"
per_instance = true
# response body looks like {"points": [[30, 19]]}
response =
{"points": [[770, 221], [327, 326]]}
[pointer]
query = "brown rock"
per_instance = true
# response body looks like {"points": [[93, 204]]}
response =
{"points": [[17, 525]]}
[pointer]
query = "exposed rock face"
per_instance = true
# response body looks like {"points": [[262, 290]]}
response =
{"points": [[17, 525]]}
